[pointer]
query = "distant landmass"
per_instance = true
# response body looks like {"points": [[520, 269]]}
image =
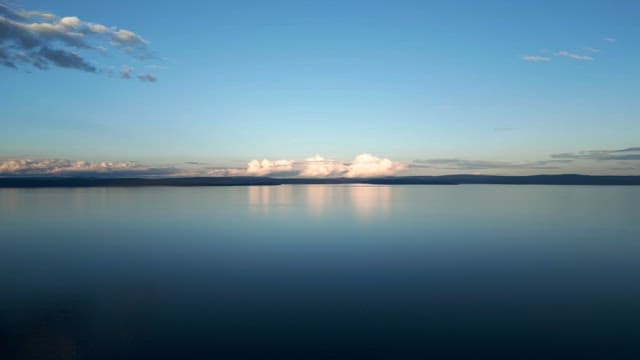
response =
{"points": [[567, 179]]}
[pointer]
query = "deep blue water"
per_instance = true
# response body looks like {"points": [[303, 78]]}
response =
{"points": [[393, 272]]}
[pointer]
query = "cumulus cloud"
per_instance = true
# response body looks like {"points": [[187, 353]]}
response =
{"points": [[632, 153], [573, 55], [364, 165], [317, 166], [44, 40], [367, 165], [97, 28], [536, 58], [267, 167]]}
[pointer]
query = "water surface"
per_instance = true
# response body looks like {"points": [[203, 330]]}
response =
{"points": [[325, 271]]}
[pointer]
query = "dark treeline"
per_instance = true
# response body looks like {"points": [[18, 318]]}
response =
{"points": [[35, 182]]}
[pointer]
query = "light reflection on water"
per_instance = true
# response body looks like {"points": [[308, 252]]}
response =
{"points": [[283, 271], [370, 200], [366, 201]]}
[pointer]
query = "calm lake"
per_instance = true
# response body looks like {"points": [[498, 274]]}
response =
{"points": [[320, 271]]}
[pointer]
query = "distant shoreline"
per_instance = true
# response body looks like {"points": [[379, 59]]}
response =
{"points": [[567, 179]]}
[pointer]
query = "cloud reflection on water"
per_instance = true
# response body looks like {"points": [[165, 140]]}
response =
{"points": [[370, 200], [361, 201]]}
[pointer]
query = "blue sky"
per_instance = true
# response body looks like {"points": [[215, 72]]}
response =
{"points": [[461, 86]]}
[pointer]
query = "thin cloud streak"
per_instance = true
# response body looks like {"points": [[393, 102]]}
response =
{"points": [[574, 56], [62, 167], [464, 164], [561, 162], [536, 58], [629, 154]]}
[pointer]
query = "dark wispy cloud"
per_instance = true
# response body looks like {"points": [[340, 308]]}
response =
{"points": [[44, 40], [504, 129], [554, 162], [6, 59], [63, 59], [62, 167], [125, 72], [632, 153], [147, 78], [464, 164], [19, 14]]}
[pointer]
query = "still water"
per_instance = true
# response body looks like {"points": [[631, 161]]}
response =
{"points": [[320, 271]]}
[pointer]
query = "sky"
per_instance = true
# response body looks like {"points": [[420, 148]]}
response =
{"points": [[319, 88]]}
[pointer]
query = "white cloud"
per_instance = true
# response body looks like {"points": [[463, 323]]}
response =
{"points": [[266, 167], [223, 172], [70, 22], [573, 55], [318, 166], [610, 39], [367, 165], [36, 14], [97, 28], [364, 165], [126, 37], [536, 58]]}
